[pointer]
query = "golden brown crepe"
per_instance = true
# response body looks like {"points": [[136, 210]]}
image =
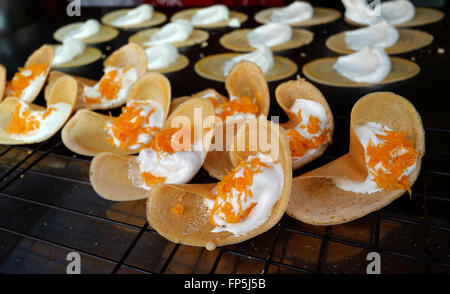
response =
{"points": [[196, 37], [113, 176], [156, 19], [210, 67], [409, 40], [187, 14], [86, 133], [2, 81], [316, 200], [105, 34], [321, 15], [193, 227], [322, 71], [237, 40]]}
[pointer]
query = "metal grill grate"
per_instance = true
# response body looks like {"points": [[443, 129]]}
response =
{"points": [[48, 209]]}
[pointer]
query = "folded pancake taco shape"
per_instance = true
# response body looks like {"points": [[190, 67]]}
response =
{"points": [[25, 123], [387, 142], [173, 155], [142, 16], [248, 201], [217, 66], [215, 16], [90, 32], [298, 13], [276, 36], [89, 133], [121, 70], [366, 67], [29, 80], [310, 126], [380, 34]]}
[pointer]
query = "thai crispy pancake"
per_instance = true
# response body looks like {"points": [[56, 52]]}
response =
{"points": [[210, 67], [321, 71], [193, 226], [237, 40], [181, 62], [156, 19], [286, 94], [245, 79], [196, 37], [316, 200], [423, 16], [90, 55], [321, 15], [110, 172], [130, 55], [43, 55], [2, 81], [105, 34], [63, 90], [189, 13], [409, 40], [86, 133]]}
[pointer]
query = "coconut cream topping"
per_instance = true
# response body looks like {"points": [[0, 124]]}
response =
{"points": [[381, 34], [210, 15], [369, 65], [262, 57], [33, 125], [176, 31], [88, 29], [270, 34], [139, 121], [161, 56], [28, 81], [137, 15], [312, 132], [114, 86], [234, 23], [170, 158], [246, 196], [390, 159], [394, 12], [69, 49], [296, 12]]}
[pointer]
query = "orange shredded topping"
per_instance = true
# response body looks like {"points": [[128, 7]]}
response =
{"points": [[20, 81], [214, 102], [223, 203], [108, 87], [242, 104], [24, 122], [150, 179], [162, 142], [128, 126], [178, 209], [396, 154]]}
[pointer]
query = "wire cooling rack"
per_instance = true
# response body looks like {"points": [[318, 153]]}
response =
{"points": [[49, 209]]}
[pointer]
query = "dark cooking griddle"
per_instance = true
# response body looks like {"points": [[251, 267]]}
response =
{"points": [[48, 208]]}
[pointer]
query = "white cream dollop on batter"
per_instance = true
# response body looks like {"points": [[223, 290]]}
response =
{"points": [[270, 34], [295, 12], [262, 57], [88, 29], [381, 34], [136, 15], [161, 56], [69, 49], [210, 15]]}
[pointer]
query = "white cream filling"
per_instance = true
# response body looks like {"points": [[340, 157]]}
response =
{"points": [[136, 15], [366, 133], [234, 23], [156, 119], [296, 12], [358, 11], [88, 29], [267, 188], [69, 49], [270, 34], [48, 126], [33, 88], [176, 31], [211, 15], [381, 34], [127, 78], [394, 12], [177, 168], [161, 56], [308, 108], [262, 57], [369, 65], [398, 11]]}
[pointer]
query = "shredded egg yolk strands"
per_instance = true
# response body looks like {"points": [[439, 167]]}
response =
{"points": [[242, 185], [300, 145], [24, 122], [242, 104], [389, 160], [109, 87], [129, 125], [23, 78]]}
